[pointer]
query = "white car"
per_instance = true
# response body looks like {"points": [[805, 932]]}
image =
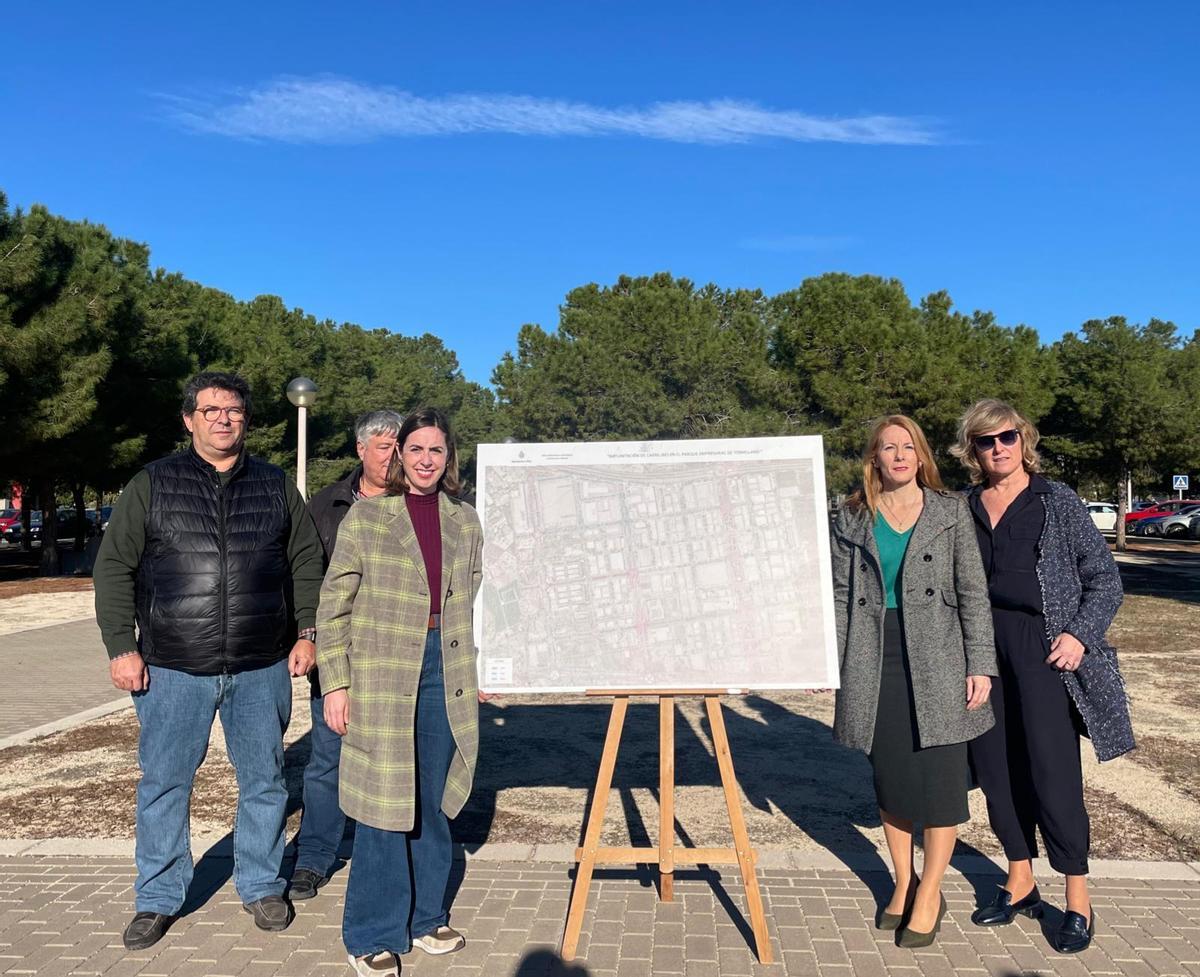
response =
{"points": [[1104, 516]]}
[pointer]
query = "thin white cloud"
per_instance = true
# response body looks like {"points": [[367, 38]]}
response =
{"points": [[335, 110], [789, 243]]}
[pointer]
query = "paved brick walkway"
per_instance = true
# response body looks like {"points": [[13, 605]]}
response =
{"points": [[63, 916], [64, 663]]}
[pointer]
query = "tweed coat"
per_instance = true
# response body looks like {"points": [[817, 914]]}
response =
{"points": [[1081, 592], [947, 623], [372, 625]]}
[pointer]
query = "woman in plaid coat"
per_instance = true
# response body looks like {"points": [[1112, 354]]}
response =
{"points": [[397, 657]]}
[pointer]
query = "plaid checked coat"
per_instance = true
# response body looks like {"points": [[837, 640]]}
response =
{"points": [[371, 630]]}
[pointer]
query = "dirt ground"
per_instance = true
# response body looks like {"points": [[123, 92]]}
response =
{"points": [[539, 755], [44, 585]]}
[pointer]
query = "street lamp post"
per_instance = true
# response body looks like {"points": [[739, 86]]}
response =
{"points": [[302, 392]]}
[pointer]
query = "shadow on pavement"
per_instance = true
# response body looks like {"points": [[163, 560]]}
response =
{"points": [[547, 963], [786, 763], [1175, 576]]}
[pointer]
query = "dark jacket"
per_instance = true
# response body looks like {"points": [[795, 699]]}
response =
{"points": [[947, 623], [328, 508], [213, 582], [1081, 592]]}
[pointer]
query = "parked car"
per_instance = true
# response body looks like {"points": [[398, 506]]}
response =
{"points": [[1143, 527], [1104, 515], [1174, 524], [1164, 508], [67, 522], [12, 532]]}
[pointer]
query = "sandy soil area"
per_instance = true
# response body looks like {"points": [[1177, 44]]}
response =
{"points": [[539, 755], [38, 610]]}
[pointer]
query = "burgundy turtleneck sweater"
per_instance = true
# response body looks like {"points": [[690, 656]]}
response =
{"points": [[423, 511]]}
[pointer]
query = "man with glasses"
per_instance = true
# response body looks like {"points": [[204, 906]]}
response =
{"points": [[212, 555], [324, 823]]}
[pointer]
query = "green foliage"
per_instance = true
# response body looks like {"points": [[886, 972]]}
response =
{"points": [[1127, 404], [79, 359], [643, 359], [857, 349], [94, 350]]}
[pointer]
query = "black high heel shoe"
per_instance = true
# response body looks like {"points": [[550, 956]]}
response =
{"points": [[1003, 910], [893, 921], [911, 939], [1074, 932]]}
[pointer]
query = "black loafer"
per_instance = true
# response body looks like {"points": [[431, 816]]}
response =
{"points": [[1074, 932], [271, 913], [305, 883], [1003, 910], [145, 929]]}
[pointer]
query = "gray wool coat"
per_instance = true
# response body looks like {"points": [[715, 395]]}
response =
{"points": [[947, 623]]}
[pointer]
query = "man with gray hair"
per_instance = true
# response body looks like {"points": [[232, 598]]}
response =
{"points": [[323, 823]]}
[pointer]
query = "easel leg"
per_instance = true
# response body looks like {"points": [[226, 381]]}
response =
{"points": [[741, 839], [591, 841], [666, 798]]}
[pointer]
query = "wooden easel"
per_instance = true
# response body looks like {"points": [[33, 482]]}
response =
{"points": [[666, 856]]}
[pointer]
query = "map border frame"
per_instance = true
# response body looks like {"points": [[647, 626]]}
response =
{"points": [[598, 453]]}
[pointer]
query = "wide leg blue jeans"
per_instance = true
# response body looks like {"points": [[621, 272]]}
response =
{"points": [[398, 879]]}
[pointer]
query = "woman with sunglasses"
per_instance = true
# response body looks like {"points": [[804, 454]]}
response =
{"points": [[916, 651], [1055, 589]]}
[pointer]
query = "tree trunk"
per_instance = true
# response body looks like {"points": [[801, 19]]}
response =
{"points": [[50, 566], [1123, 504], [27, 522], [81, 522]]}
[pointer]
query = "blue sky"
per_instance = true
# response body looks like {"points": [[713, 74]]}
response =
{"points": [[456, 168]]}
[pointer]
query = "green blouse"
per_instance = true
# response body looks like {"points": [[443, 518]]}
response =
{"points": [[892, 546]]}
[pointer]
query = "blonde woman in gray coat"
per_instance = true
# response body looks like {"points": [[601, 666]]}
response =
{"points": [[916, 654]]}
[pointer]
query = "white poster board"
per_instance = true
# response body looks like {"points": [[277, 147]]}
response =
{"points": [[655, 565]]}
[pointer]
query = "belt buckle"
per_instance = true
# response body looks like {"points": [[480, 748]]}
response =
{"points": [[435, 622]]}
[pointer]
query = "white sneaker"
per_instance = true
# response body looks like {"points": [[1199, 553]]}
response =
{"points": [[385, 964], [441, 940]]}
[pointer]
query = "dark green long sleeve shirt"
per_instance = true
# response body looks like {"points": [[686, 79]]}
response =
{"points": [[115, 572]]}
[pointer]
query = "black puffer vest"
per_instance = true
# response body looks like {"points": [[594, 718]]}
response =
{"points": [[214, 583]]}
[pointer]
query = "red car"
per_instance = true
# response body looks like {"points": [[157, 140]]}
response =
{"points": [[9, 517], [1159, 509]]}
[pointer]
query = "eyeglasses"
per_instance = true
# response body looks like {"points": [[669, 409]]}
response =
{"points": [[213, 413], [985, 442]]}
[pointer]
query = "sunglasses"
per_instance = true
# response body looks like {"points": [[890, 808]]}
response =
{"points": [[985, 442]]}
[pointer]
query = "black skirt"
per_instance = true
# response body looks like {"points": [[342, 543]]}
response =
{"points": [[927, 786]]}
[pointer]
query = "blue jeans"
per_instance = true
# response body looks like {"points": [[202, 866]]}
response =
{"points": [[398, 879], [176, 715], [323, 823]]}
